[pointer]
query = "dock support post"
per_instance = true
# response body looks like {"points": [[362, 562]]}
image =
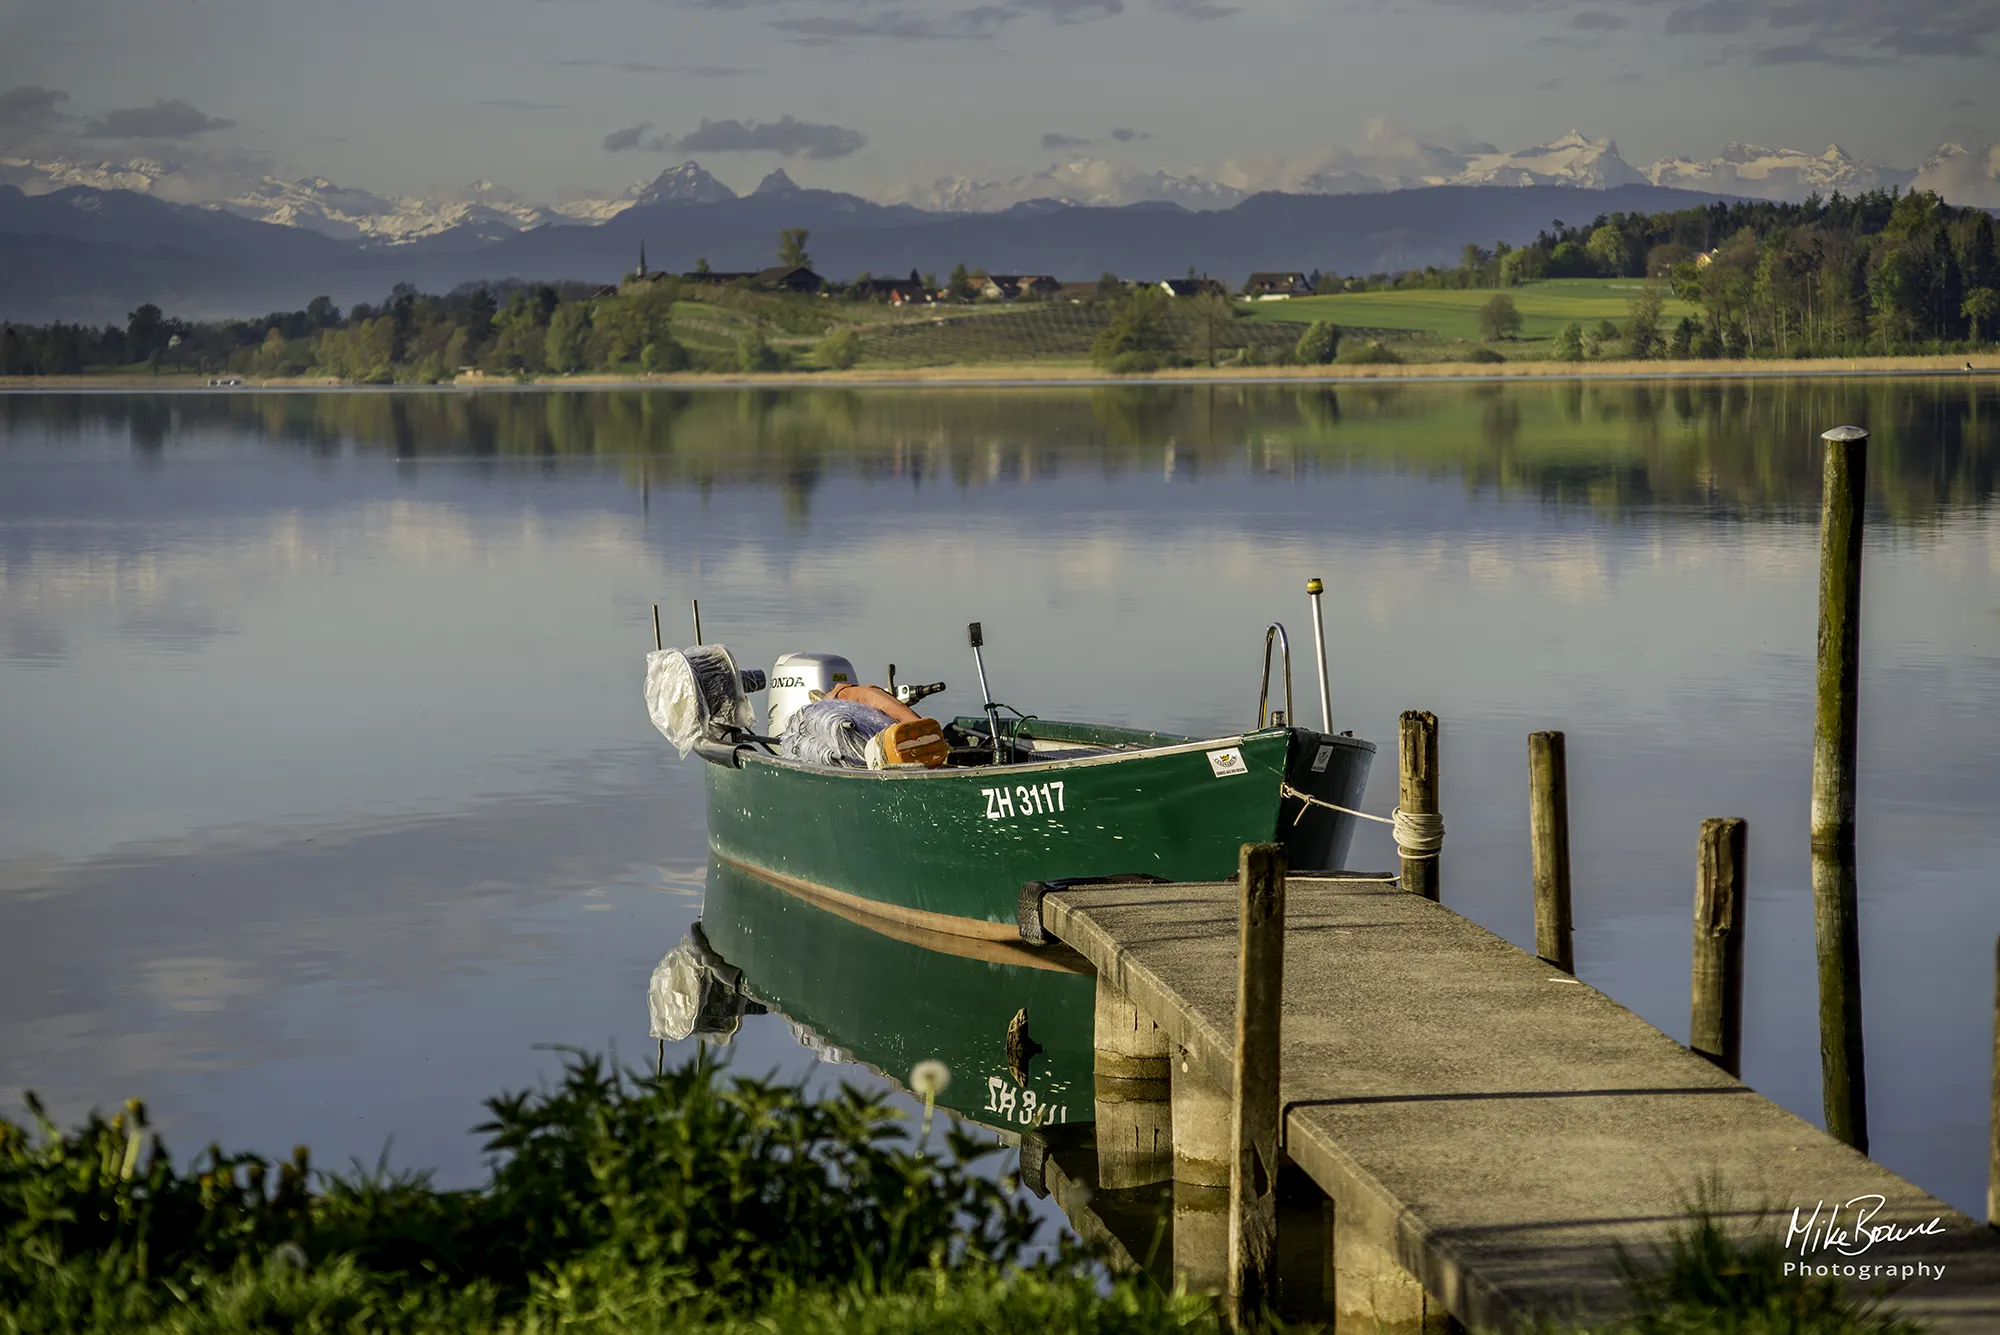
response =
{"points": [[1548, 823], [1417, 791], [1993, 1127], [1836, 712], [1254, 1112], [1716, 1031], [1134, 1121], [1201, 1141]]}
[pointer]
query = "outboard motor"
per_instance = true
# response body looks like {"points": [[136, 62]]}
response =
{"points": [[798, 679], [700, 695]]}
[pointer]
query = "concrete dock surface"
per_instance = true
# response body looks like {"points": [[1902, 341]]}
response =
{"points": [[1497, 1127]]}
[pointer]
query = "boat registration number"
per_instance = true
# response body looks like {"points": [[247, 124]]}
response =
{"points": [[1021, 1104], [1025, 799]]}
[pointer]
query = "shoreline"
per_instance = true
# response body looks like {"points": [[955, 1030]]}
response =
{"points": [[1073, 376]]}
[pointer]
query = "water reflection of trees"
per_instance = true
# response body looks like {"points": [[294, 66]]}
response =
{"points": [[1748, 446]]}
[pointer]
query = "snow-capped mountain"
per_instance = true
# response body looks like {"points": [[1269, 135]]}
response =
{"points": [[333, 210], [1782, 173], [1593, 164], [685, 184], [1082, 181], [1388, 158], [1963, 175], [1387, 161]]}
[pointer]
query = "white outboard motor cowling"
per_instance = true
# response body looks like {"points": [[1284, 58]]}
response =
{"points": [[796, 677]]}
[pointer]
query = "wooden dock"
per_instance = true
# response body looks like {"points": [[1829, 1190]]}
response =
{"points": [[1489, 1132]]}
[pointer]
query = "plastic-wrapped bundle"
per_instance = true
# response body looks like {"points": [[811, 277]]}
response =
{"points": [[831, 732], [692, 693]]}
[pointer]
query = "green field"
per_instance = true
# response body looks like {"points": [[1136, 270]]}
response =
{"points": [[1545, 308]]}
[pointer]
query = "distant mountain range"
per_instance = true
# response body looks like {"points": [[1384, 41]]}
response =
{"points": [[483, 211], [92, 255]]}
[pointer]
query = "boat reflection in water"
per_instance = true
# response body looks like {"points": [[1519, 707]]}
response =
{"points": [[1012, 1024]]}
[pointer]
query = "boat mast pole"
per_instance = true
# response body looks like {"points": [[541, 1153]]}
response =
{"points": [[1313, 590], [697, 620], [977, 637]]}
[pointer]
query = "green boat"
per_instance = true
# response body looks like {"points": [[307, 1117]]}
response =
{"points": [[1012, 1026], [949, 848]]}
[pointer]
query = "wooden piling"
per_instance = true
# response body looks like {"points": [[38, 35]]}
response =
{"points": [[1417, 791], [1835, 714], [1548, 823], [1716, 1031], [1254, 1112], [1993, 1123]]}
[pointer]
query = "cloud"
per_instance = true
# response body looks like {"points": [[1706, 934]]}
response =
{"points": [[30, 107], [912, 21], [168, 118], [975, 24], [647, 67], [1053, 141], [1775, 32], [1196, 11], [516, 104], [1130, 136], [633, 136], [1071, 11], [1549, 86], [786, 136]]}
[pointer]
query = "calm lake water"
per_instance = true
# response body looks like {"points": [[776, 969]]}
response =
{"points": [[328, 802]]}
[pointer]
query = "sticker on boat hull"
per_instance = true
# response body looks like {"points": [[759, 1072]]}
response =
{"points": [[1225, 763], [1320, 759]]}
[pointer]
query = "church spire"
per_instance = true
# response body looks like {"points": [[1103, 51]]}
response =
{"points": [[642, 257]]}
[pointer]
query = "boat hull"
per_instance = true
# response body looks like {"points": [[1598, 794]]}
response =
{"points": [[949, 849]]}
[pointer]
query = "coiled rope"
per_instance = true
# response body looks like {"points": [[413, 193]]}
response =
{"points": [[1418, 834]]}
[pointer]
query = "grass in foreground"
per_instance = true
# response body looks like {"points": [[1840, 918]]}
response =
{"points": [[636, 1203]]}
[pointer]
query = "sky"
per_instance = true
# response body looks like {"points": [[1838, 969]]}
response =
{"points": [[572, 98]]}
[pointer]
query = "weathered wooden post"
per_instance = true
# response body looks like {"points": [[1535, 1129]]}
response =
{"points": [[1548, 823], [1417, 792], [1993, 1126], [1716, 1031], [1836, 703], [1253, 1168]]}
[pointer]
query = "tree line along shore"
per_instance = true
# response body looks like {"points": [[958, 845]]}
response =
{"points": [[1880, 276]]}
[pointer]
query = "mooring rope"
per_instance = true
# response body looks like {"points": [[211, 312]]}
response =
{"points": [[1418, 834]]}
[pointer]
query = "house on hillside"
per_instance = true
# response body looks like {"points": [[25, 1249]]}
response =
{"points": [[777, 278], [1276, 286], [1192, 287], [895, 291], [788, 278], [1008, 286]]}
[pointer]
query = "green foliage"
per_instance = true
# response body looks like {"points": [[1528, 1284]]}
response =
{"points": [[563, 347], [1485, 356], [1500, 317], [754, 353], [663, 356], [1137, 337], [616, 1201], [1979, 307], [839, 350], [1319, 344], [1569, 343], [792, 248], [1370, 354], [1708, 1280]]}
